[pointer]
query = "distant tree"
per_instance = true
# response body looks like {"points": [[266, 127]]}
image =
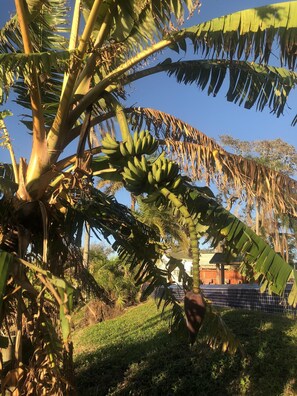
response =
{"points": [[279, 229], [276, 154]]}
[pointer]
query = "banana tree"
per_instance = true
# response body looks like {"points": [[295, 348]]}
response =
{"points": [[72, 78]]}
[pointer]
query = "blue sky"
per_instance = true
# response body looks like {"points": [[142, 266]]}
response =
{"points": [[213, 116]]}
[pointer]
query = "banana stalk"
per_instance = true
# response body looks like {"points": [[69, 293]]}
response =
{"points": [[193, 235], [73, 36], [195, 306], [56, 135], [121, 118], [10, 149], [83, 83], [39, 156]]}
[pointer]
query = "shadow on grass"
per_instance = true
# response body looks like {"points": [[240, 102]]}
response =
{"points": [[160, 364]]}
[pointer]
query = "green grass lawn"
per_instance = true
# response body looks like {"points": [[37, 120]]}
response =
{"points": [[134, 355]]}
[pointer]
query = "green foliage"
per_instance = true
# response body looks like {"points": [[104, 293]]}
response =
{"points": [[113, 276], [133, 354], [249, 84], [261, 260], [5, 269], [243, 33], [166, 221], [137, 24]]}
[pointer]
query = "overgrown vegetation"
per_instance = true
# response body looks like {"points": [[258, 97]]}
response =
{"points": [[116, 282], [134, 354], [114, 276]]}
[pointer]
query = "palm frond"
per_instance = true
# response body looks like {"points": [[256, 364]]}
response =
{"points": [[46, 19], [5, 269], [202, 158], [250, 84], [249, 33], [262, 261], [15, 66], [129, 27], [7, 185], [110, 187], [138, 23], [50, 94], [151, 216], [217, 334], [166, 221]]}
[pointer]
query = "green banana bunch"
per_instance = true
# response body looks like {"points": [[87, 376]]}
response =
{"points": [[110, 146], [164, 173], [127, 148], [144, 143], [141, 143], [135, 175]]}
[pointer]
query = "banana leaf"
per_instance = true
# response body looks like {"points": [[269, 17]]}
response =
{"points": [[5, 266], [269, 267]]}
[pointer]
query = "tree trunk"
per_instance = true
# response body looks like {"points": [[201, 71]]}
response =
{"points": [[86, 251]]}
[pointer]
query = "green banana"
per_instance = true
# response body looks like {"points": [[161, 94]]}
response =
{"points": [[138, 165], [133, 183], [144, 164], [130, 181], [109, 145], [134, 169], [154, 168], [144, 144], [109, 142], [130, 146], [123, 149], [138, 147], [150, 178], [142, 134], [149, 140], [164, 168], [153, 147], [127, 173], [176, 183], [169, 168], [135, 138], [161, 156], [173, 170], [157, 175], [109, 152]]}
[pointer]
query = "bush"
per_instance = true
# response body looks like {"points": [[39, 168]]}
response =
{"points": [[113, 276]]}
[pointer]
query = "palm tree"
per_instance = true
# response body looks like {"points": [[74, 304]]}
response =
{"points": [[71, 81]]}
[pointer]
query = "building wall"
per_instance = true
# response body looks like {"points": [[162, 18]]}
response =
{"points": [[209, 274], [211, 277]]}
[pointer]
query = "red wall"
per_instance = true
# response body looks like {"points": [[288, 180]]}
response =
{"points": [[211, 276]]}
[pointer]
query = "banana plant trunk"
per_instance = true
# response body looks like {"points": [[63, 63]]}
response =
{"points": [[194, 303]]}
